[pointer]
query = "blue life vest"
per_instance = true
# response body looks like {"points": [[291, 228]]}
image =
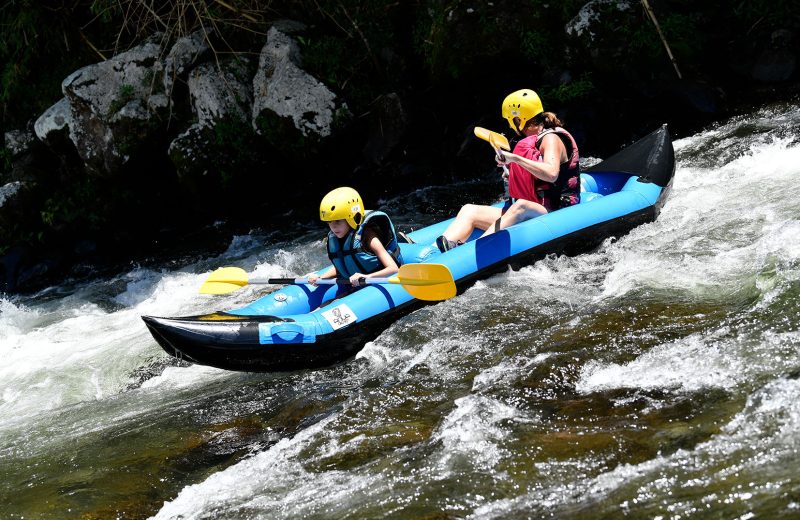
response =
{"points": [[348, 255]]}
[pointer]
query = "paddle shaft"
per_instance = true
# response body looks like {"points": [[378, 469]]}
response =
{"points": [[429, 282], [320, 281], [497, 141], [502, 159]]}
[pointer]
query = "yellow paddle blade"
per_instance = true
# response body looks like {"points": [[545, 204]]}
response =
{"points": [[224, 280], [493, 138], [429, 282]]}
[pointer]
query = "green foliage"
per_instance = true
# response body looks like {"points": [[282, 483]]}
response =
{"points": [[533, 43], [126, 91], [281, 134], [565, 10], [347, 47], [236, 144], [341, 118], [581, 88], [456, 38], [328, 56], [627, 44], [78, 204], [125, 94], [773, 12], [19, 233], [682, 34], [41, 42], [106, 10], [450, 36], [426, 37]]}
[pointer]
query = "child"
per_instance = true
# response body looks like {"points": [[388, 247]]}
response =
{"points": [[360, 244]]}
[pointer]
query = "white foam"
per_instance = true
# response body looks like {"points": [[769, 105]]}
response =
{"points": [[272, 480], [758, 446], [473, 432], [718, 227], [241, 244], [85, 353], [692, 364], [15, 321], [503, 373], [178, 378]]}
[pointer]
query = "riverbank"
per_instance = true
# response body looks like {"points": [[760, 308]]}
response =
{"points": [[170, 144]]}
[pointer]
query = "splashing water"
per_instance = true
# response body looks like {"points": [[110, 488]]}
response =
{"points": [[654, 377]]}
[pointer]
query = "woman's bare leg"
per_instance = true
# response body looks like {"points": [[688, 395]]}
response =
{"points": [[469, 217], [520, 211]]}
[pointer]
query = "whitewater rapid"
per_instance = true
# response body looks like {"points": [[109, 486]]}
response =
{"points": [[657, 376]]}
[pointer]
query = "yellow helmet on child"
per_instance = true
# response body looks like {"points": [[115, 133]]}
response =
{"points": [[523, 104], [342, 204]]}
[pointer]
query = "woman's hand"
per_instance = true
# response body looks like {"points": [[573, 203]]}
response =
{"points": [[312, 279], [500, 157], [356, 279], [502, 163]]}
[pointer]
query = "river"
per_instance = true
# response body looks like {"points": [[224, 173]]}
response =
{"points": [[657, 377]]}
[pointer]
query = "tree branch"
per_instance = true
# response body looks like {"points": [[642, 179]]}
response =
{"points": [[652, 16]]}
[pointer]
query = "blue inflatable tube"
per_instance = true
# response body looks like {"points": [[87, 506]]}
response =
{"points": [[301, 326]]}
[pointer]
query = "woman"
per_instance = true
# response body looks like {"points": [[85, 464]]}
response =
{"points": [[543, 172], [360, 244]]}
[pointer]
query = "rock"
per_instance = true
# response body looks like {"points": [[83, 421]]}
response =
{"points": [[189, 152], [289, 26], [116, 106], [53, 126], [31, 162], [220, 94], [221, 100], [185, 53], [214, 164], [282, 88], [8, 191], [41, 270], [778, 61], [19, 210], [592, 43], [592, 14], [18, 142]]}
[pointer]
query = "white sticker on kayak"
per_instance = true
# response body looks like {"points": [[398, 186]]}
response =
{"points": [[340, 316]]}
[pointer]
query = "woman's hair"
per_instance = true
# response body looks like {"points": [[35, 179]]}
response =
{"points": [[547, 119]]}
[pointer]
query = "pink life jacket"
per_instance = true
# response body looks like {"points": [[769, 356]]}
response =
{"points": [[521, 183], [565, 191]]}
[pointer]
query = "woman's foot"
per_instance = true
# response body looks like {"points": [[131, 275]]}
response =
{"points": [[445, 245]]}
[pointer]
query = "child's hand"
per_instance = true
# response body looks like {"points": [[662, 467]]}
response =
{"points": [[356, 279], [312, 279]]}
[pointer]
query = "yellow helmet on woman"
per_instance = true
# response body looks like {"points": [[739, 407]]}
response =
{"points": [[523, 104], [342, 204]]}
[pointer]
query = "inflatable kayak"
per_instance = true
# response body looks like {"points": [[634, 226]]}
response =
{"points": [[288, 330]]}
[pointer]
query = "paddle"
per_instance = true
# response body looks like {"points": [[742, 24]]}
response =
{"points": [[497, 141], [493, 138], [430, 282]]}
